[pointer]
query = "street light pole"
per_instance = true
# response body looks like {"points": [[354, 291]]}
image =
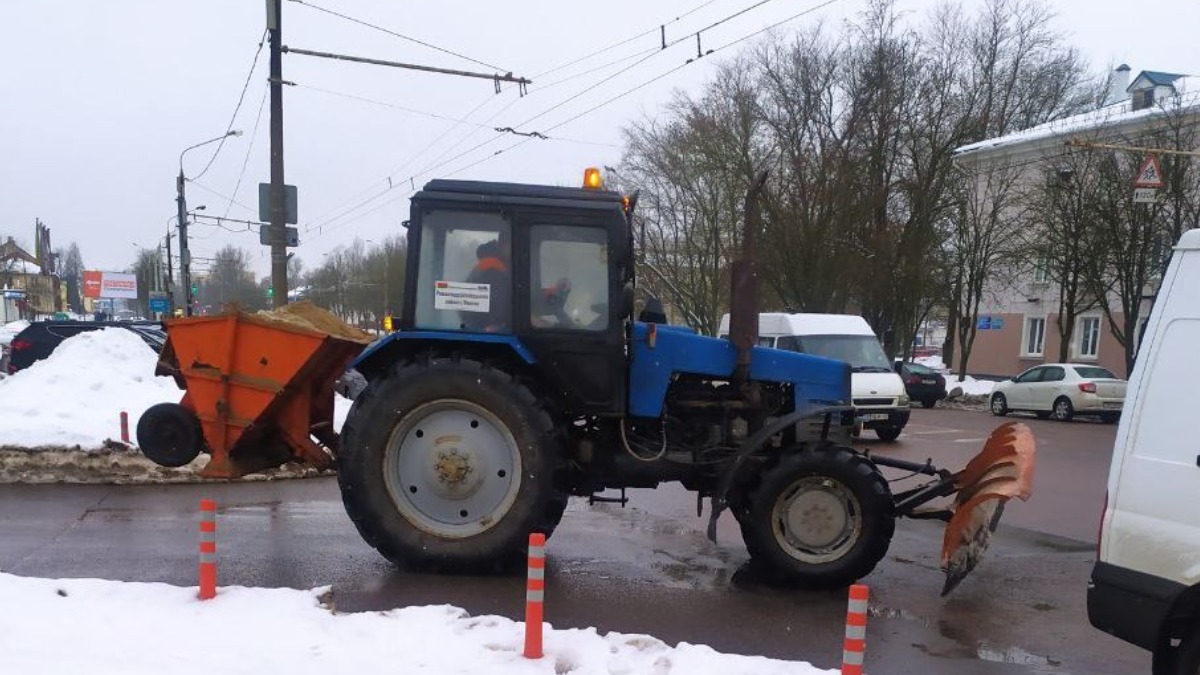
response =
{"points": [[185, 258]]}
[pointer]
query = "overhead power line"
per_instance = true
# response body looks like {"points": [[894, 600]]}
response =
{"points": [[656, 29], [323, 226], [399, 35], [249, 147], [237, 108]]}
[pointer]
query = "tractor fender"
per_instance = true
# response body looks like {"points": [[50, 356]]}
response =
{"points": [[750, 446], [403, 345]]}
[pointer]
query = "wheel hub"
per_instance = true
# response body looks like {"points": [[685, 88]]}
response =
{"points": [[452, 468], [817, 519]]}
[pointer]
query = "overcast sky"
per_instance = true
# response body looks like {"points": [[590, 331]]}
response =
{"points": [[99, 97]]}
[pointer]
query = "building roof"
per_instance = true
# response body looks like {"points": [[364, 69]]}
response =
{"points": [[1108, 120], [1158, 78]]}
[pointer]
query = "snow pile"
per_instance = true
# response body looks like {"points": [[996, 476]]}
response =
{"points": [[76, 396], [114, 627], [9, 331], [971, 386]]}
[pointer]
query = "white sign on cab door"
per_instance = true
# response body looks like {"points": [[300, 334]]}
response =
{"points": [[462, 297]]}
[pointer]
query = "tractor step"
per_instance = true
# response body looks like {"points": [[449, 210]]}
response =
{"points": [[598, 498]]}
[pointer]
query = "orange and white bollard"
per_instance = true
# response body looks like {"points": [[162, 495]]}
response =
{"points": [[535, 595], [855, 647], [124, 427], [208, 549]]}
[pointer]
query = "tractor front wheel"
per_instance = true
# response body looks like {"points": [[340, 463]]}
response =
{"points": [[450, 464], [822, 517]]}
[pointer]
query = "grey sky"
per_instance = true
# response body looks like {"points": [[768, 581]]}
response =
{"points": [[100, 96]]}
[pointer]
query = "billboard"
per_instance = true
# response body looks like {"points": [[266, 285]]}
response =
{"points": [[109, 285]]}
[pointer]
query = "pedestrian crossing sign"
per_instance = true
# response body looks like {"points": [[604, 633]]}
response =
{"points": [[1150, 175]]}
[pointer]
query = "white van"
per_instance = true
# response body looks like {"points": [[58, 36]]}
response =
{"points": [[1145, 585], [880, 401]]}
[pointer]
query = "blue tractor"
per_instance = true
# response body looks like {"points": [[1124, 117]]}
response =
{"points": [[520, 377]]}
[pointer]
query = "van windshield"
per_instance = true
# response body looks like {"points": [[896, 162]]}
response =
{"points": [[862, 352]]}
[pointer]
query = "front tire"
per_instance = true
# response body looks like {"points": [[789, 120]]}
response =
{"points": [[1063, 409], [822, 518], [999, 405], [888, 433], [450, 464], [1182, 660]]}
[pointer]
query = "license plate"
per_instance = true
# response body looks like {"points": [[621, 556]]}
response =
{"points": [[928, 381], [871, 417]]}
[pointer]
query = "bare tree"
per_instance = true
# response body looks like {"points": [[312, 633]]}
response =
{"points": [[985, 237], [692, 169]]}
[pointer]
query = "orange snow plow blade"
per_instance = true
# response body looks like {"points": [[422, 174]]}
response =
{"points": [[1003, 470]]}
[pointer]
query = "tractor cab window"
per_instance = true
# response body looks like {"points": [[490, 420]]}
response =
{"points": [[465, 277], [569, 285]]}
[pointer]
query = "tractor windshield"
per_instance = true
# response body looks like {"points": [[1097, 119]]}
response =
{"points": [[465, 276], [862, 352]]}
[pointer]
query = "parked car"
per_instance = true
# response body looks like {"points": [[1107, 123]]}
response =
{"points": [[41, 338], [1062, 391], [922, 383]]}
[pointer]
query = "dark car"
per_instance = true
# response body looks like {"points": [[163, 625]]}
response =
{"points": [[41, 338], [922, 383]]}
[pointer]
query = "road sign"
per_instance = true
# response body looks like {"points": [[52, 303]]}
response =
{"points": [[264, 235], [1150, 175], [985, 323], [159, 302], [1145, 195], [289, 203]]}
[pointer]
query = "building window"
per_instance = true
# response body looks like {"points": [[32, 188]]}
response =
{"points": [[1041, 270], [1035, 336], [1089, 337]]}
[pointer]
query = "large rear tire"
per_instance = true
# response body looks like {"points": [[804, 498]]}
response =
{"points": [[822, 517], [450, 464]]}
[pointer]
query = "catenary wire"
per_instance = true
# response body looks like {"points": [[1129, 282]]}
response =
{"points": [[241, 97], [400, 35]]}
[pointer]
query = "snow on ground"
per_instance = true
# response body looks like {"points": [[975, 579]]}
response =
{"points": [[76, 396], [971, 386], [101, 627]]}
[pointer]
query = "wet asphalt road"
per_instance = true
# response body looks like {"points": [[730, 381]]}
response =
{"points": [[646, 568]]}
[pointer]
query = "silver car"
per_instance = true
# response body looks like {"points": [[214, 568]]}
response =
{"points": [[1062, 391]]}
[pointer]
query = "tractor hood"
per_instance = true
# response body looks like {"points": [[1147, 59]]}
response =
{"points": [[659, 353]]}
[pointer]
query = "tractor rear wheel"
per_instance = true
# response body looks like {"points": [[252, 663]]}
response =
{"points": [[450, 464], [822, 517]]}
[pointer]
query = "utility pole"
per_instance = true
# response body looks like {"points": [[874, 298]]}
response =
{"points": [[184, 256], [170, 270], [278, 216]]}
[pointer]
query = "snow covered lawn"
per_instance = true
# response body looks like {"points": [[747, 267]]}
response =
{"points": [[101, 627]]}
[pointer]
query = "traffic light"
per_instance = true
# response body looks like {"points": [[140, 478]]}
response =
{"points": [[270, 291], [195, 289]]}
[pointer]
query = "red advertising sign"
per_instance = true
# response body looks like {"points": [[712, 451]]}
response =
{"points": [[91, 284]]}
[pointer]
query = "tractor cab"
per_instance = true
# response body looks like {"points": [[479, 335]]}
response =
{"points": [[545, 270]]}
